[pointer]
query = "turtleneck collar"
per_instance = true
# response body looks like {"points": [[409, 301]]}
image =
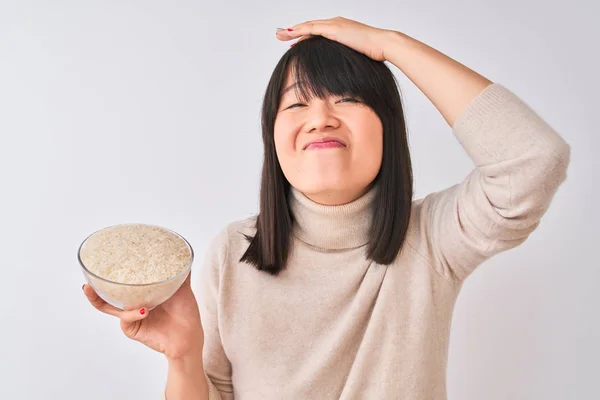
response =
{"points": [[332, 227]]}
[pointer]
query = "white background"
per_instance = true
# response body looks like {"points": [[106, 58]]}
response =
{"points": [[148, 111]]}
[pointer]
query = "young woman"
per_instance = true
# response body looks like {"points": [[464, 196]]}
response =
{"points": [[343, 286]]}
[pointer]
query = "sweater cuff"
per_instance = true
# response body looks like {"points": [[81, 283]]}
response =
{"points": [[213, 393], [478, 111]]}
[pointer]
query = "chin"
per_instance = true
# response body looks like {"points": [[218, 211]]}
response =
{"points": [[322, 185]]}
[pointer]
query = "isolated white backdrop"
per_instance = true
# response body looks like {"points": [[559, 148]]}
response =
{"points": [[148, 111]]}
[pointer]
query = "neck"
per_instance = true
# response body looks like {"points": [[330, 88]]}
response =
{"points": [[332, 227], [337, 197]]}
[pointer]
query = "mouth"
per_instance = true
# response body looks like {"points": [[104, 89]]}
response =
{"points": [[330, 143]]}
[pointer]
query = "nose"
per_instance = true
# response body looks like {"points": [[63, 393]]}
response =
{"points": [[320, 118]]}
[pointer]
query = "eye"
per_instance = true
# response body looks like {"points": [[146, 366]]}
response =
{"points": [[345, 99]]}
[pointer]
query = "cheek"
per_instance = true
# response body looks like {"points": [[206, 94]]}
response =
{"points": [[370, 157], [368, 142], [285, 144]]}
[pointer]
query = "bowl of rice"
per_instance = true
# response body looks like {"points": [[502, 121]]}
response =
{"points": [[131, 266]]}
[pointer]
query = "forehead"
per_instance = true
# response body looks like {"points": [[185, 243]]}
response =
{"points": [[298, 85], [288, 82], [289, 76], [306, 83]]}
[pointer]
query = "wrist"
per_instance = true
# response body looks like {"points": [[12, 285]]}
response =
{"points": [[186, 379], [190, 360], [392, 42]]}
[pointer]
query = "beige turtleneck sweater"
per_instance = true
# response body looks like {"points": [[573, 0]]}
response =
{"points": [[334, 325]]}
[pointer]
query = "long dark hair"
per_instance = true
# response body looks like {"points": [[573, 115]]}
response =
{"points": [[324, 67]]}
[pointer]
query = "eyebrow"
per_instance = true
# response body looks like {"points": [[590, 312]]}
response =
{"points": [[287, 89]]}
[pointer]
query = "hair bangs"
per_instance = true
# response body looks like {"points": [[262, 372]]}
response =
{"points": [[321, 68]]}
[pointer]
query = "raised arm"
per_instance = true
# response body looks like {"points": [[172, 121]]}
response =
{"points": [[520, 161]]}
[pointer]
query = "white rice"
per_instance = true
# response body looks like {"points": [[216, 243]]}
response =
{"points": [[143, 256], [135, 253]]}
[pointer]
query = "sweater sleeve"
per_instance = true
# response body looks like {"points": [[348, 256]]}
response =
{"points": [[216, 364], [520, 162]]}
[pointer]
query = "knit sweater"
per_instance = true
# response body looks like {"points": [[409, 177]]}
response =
{"points": [[335, 325]]}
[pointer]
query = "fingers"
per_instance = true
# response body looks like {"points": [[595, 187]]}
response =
{"points": [[133, 315], [98, 303], [311, 26], [103, 306], [316, 27]]}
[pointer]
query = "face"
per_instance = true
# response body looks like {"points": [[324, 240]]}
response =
{"points": [[329, 149]]}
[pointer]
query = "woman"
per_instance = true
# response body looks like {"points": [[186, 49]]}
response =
{"points": [[343, 286]]}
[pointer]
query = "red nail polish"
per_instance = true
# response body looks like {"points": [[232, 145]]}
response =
{"points": [[290, 29], [143, 311]]}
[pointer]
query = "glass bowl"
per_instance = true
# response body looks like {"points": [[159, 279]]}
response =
{"points": [[133, 296]]}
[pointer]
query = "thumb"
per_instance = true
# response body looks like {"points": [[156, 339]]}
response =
{"points": [[131, 321], [131, 316]]}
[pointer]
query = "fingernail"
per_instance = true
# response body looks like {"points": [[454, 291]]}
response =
{"points": [[293, 44], [143, 311], [290, 29], [82, 287]]}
